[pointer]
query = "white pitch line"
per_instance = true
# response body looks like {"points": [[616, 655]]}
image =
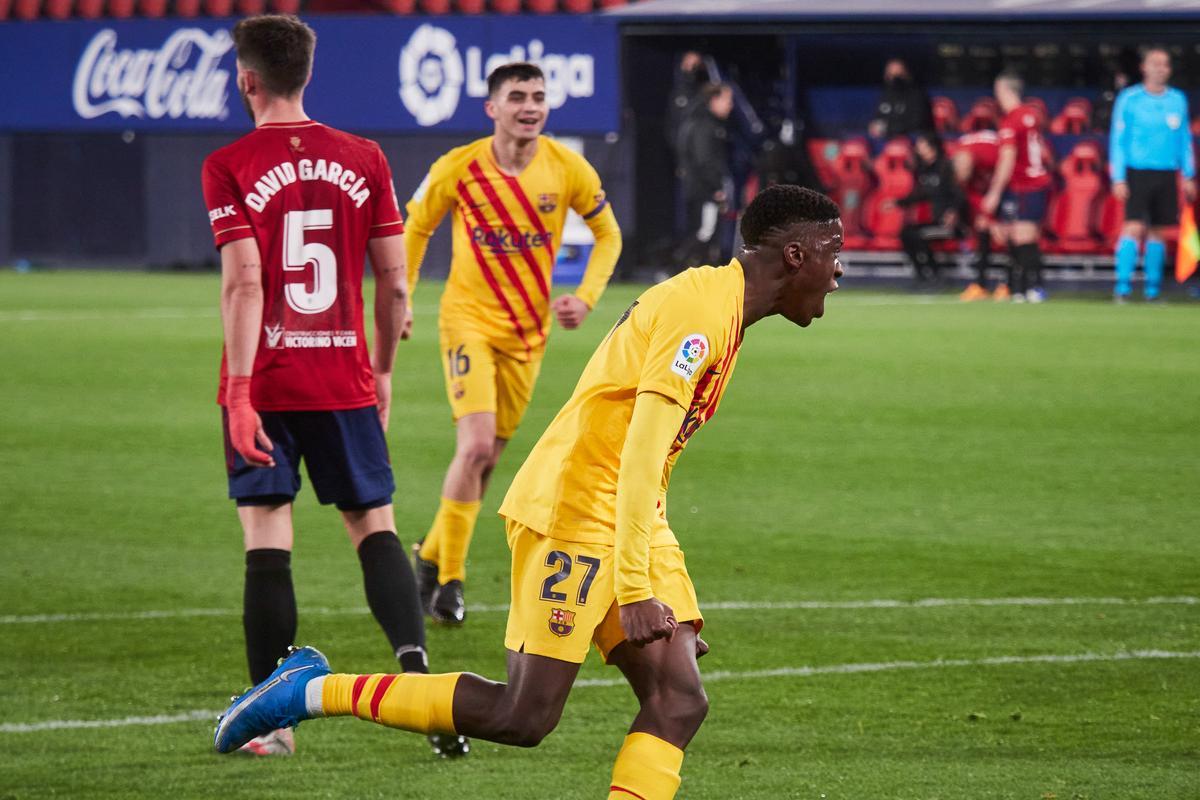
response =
{"points": [[725, 605], [92, 315], [891, 666], [70, 724], [87, 315], [709, 677]]}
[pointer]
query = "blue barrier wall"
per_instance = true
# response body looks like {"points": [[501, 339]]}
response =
{"points": [[104, 125], [119, 200], [383, 74]]}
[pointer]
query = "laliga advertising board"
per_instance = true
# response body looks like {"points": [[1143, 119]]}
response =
{"points": [[372, 74]]}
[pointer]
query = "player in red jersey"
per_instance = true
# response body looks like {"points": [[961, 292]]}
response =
{"points": [[974, 164], [295, 208], [1020, 187]]}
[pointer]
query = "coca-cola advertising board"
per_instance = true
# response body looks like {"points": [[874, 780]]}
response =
{"points": [[374, 74]]}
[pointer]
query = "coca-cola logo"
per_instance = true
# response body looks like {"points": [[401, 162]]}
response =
{"points": [[179, 79]]}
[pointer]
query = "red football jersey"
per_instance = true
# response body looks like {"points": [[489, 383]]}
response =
{"points": [[310, 196], [984, 148], [1020, 128]]}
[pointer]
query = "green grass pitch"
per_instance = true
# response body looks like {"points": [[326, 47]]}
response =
{"points": [[899, 449]]}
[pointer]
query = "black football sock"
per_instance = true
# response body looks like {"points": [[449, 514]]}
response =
{"points": [[392, 596], [983, 257], [1030, 257], [268, 610], [1016, 270]]}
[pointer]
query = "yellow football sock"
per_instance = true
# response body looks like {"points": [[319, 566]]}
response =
{"points": [[431, 543], [647, 767], [411, 701], [452, 530]]}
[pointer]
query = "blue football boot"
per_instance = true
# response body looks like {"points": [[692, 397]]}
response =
{"points": [[277, 702]]}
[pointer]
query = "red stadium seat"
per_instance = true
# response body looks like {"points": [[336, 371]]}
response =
{"points": [[541, 6], [1075, 118], [151, 8], [399, 6], [822, 153], [89, 9], [186, 8], [26, 9], [1075, 214], [851, 184], [945, 115], [881, 216], [5, 9], [120, 9], [983, 115], [612, 3], [577, 6], [216, 8], [750, 188], [471, 6], [285, 6], [506, 6], [1039, 105], [57, 9], [1112, 218], [435, 6], [250, 8]]}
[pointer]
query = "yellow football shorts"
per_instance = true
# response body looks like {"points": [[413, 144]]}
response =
{"points": [[563, 597], [480, 378]]}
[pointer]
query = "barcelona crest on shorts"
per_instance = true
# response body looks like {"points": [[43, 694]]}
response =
{"points": [[547, 203], [562, 622]]}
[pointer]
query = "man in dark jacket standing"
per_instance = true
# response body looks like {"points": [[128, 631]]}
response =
{"points": [[704, 162], [903, 107]]}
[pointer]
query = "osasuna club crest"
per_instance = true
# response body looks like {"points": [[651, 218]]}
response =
{"points": [[562, 622], [547, 203]]}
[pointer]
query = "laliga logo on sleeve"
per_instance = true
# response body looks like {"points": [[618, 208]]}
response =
{"points": [[690, 356], [431, 75], [180, 79]]}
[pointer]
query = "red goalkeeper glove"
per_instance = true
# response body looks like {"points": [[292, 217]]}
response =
{"points": [[245, 426]]}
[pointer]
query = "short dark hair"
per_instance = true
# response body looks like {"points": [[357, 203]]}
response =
{"points": [[279, 48], [516, 71], [1014, 81], [935, 140], [1155, 48], [784, 204]]}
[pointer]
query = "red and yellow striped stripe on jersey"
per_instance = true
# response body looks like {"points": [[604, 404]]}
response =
{"points": [[507, 231]]}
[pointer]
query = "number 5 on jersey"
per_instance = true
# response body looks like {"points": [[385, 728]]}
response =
{"points": [[298, 254]]}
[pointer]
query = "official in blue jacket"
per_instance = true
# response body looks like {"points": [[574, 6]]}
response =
{"points": [[1148, 147]]}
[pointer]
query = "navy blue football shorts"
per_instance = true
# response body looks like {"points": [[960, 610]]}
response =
{"points": [[1023, 206], [345, 453]]}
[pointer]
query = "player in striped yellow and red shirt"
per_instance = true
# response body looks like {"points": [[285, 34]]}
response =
{"points": [[595, 560], [508, 195]]}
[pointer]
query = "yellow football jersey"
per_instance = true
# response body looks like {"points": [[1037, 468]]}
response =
{"points": [[506, 233], [679, 339]]}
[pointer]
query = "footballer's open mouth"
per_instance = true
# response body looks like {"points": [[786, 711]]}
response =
{"points": [[530, 120]]}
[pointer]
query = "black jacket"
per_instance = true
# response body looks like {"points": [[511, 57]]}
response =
{"points": [[703, 154], [904, 109], [935, 184]]}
